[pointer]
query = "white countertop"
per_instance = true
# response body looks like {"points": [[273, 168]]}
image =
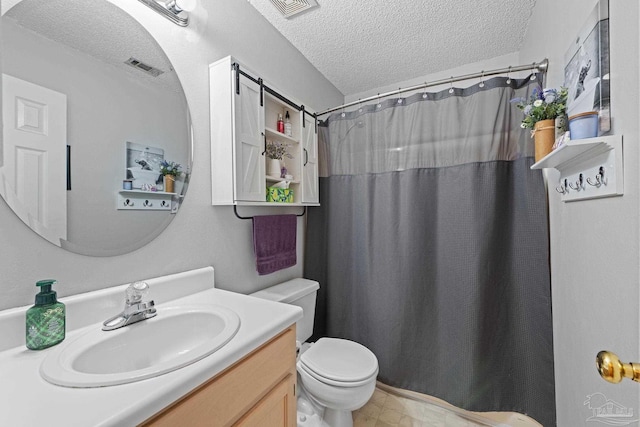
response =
{"points": [[28, 400]]}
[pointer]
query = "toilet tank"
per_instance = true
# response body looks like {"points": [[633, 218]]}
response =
{"points": [[300, 292]]}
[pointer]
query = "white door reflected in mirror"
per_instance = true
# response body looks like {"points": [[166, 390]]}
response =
{"points": [[35, 134]]}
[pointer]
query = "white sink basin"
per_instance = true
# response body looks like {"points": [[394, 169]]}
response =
{"points": [[176, 337]]}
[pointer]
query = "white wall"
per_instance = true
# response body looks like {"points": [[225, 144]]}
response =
{"points": [[594, 244], [101, 119], [200, 234]]}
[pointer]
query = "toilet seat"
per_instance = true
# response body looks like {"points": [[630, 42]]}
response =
{"points": [[339, 362]]}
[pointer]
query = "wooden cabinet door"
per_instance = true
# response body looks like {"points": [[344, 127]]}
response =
{"points": [[309, 160], [249, 143], [260, 385], [276, 409]]}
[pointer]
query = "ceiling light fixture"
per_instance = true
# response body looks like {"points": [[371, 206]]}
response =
{"points": [[173, 10]]}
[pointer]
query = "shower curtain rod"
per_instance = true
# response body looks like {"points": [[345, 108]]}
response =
{"points": [[541, 67]]}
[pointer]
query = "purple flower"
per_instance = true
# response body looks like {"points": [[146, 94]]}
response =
{"points": [[527, 109]]}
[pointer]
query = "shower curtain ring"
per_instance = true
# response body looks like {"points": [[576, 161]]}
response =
{"points": [[482, 80], [534, 71], [359, 105], [399, 99], [379, 105], [509, 76], [424, 94], [451, 83]]}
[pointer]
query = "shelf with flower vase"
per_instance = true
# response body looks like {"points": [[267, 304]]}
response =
{"points": [[589, 168]]}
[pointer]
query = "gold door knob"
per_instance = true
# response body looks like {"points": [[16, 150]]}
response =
{"points": [[613, 370]]}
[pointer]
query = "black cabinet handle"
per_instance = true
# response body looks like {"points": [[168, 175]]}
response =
{"points": [[306, 157], [265, 142]]}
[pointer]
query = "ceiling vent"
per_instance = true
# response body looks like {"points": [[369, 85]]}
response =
{"points": [[289, 8], [143, 67]]}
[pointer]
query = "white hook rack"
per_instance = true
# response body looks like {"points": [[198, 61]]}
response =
{"points": [[144, 200], [589, 168]]}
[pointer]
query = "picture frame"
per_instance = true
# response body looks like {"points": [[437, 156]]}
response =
{"points": [[587, 68], [143, 165]]}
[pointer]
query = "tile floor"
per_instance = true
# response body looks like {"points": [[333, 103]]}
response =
{"points": [[386, 410]]}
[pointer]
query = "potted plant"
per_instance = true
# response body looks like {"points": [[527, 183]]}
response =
{"points": [[170, 171], [540, 112], [276, 152]]}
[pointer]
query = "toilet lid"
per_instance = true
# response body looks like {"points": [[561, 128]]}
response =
{"points": [[340, 360]]}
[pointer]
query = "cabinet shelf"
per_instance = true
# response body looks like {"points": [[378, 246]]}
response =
{"points": [[294, 204], [275, 134], [269, 178]]}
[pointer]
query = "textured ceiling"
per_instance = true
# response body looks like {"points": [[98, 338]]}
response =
{"points": [[98, 29], [364, 44]]}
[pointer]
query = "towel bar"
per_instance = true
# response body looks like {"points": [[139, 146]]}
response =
{"points": [[235, 211]]}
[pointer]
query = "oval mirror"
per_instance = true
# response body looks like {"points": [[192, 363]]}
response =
{"points": [[92, 110]]}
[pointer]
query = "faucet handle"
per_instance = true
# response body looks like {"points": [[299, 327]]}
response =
{"points": [[137, 292]]}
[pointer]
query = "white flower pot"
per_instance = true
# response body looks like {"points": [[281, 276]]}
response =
{"points": [[273, 168]]}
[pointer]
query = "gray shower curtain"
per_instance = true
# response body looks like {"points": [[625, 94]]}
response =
{"points": [[431, 247]]}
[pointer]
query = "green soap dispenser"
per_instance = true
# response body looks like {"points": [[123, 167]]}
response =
{"points": [[46, 319]]}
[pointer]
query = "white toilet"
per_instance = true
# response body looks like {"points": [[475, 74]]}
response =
{"points": [[337, 376]]}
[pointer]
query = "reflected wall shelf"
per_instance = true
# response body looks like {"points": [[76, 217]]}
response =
{"points": [[589, 168], [144, 200]]}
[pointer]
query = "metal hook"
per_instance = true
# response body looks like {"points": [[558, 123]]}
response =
{"points": [[424, 94], [379, 105], [563, 187], [451, 82], [482, 80], [579, 184], [599, 178], [399, 99], [509, 76], [359, 105]]}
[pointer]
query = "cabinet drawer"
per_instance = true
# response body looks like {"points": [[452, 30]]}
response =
{"points": [[229, 395], [276, 409]]}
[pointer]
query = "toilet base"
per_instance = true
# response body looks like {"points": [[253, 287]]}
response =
{"points": [[311, 415], [335, 418]]}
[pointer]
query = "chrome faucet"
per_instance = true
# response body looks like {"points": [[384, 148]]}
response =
{"points": [[136, 308]]}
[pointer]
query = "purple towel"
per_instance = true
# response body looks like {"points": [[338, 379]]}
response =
{"points": [[274, 242]]}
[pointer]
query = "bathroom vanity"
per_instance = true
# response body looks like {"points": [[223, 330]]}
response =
{"points": [[250, 380], [257, 391]]}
